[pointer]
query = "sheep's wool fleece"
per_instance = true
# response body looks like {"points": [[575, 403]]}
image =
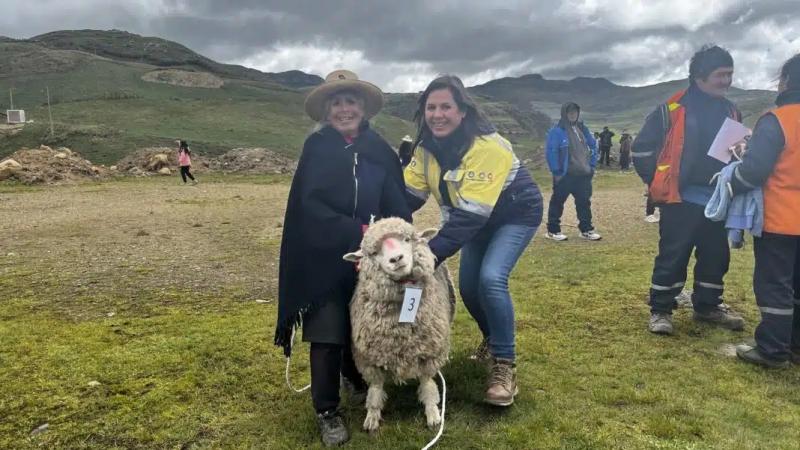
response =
{"points": [[382, 346]]}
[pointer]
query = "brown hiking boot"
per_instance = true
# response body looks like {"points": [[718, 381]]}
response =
{"points": [[482, 352], [502, 383]]}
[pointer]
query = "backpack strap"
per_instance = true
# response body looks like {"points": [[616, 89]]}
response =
{"points": [[665, 120]]}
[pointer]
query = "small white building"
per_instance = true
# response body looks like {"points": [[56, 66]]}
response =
{"points": [[15, 115]]}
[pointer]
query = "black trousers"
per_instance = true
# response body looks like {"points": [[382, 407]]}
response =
{"points": [[624, 160], [580, 187], [605, 155], [328, 362], [650, 208], [684, 228], [185, 173], [776, 283]]}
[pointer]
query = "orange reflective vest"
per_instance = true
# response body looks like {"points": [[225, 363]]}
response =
{"points": [[665, 186], [782, 189]]}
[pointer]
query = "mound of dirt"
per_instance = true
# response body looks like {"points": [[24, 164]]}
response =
{"points": [[47, 166], [253, 161], [184, 78], [150, 161], [8, 130]]}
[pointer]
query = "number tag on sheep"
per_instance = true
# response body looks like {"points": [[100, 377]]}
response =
{"points": [[411, 301], [392, 256]]}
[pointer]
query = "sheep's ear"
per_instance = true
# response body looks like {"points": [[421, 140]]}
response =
{"points": [[428, 234], [354, 256]]}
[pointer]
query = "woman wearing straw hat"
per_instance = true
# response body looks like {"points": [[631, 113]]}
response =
{"points": [[347, 174]]}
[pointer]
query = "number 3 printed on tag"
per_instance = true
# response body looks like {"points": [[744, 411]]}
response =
{"points": [[411, 301]]}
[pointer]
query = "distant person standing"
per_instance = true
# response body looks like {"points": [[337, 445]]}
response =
{"points": [[571, 153], [605, 146], [670, 154], [185, 161], [625, 142]]}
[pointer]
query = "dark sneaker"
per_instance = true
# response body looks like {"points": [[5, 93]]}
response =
{"points": [[752, 355], [502, 385], [722, 316], [661, 323], [482, 352], [332, 428], [356, 395]]}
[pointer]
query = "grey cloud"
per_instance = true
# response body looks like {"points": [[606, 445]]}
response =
{"points": [[464, 37]]}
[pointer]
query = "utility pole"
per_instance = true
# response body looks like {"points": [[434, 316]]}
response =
{"points": [[49, 113], [11, 96]]}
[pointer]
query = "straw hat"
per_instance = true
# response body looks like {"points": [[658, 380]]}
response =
{"points": [[341, 80]]}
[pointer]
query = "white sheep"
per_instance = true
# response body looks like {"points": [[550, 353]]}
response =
{"points": [[393, 256]]}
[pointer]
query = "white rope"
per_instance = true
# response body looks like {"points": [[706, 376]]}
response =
{"points": [[288, 362], [441, 425]]}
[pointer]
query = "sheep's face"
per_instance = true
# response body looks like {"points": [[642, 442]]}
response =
{"points": [[389, 245], [396, 255]]}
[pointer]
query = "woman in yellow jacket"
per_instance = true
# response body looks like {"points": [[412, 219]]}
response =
{"points": [[490, 207]]}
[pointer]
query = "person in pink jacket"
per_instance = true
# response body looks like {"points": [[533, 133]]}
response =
{"points": [[185, 161]]}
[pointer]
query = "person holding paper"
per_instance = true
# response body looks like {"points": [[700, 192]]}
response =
{"points": [[772, 162], [678, 178], [491, 208]]}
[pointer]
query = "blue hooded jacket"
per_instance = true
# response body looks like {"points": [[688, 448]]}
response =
{"points": [[557, 147]]}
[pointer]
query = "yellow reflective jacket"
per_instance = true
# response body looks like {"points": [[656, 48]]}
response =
{"points": [[489, 182], [488, 167]]}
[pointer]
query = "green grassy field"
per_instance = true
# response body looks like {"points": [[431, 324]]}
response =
{"points": [[164, 295]]}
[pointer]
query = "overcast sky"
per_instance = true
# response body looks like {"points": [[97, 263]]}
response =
{"points": [[402, 44]]}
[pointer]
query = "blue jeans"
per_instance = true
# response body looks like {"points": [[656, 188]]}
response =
{"points": [[486, 263]]}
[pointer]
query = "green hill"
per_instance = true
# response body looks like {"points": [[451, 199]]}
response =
{"points": [[124, 46], [604, 103], [525, 129], [103, 108]]}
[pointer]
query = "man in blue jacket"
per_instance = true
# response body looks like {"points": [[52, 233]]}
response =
{"points": [[572, 156]]}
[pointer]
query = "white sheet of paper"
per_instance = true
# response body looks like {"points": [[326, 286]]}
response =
{"points": [[730, 133], [411, 301]]}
